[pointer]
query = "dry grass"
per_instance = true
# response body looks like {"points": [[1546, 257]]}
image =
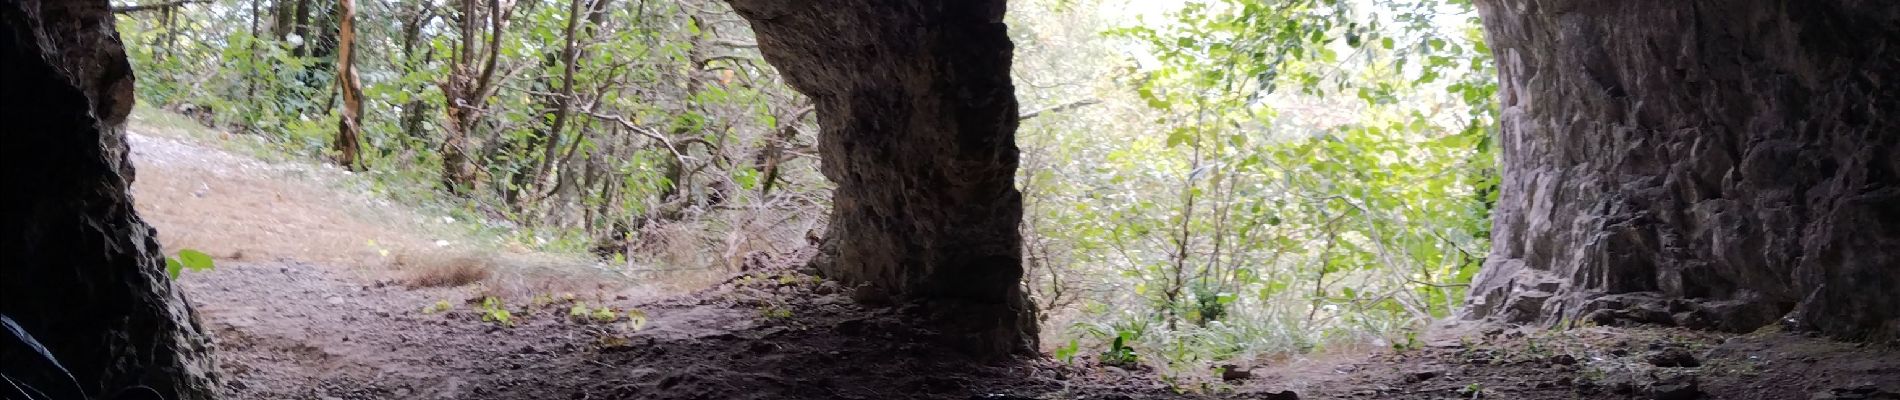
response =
{"points": [[238, 208], [436, 270], [695, 253]]}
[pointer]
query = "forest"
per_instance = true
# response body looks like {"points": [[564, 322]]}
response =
{"points": [[1203, 181], [949, 199]]}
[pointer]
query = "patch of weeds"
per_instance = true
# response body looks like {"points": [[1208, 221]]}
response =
{"points": [[494, 311], [1411, 342], [603, 314], [439, 306], [1472, 391], [1067, 353], [1119, 354], [613, 342], [1537, 350], [606, 315], [542, 300], [775, 312]]}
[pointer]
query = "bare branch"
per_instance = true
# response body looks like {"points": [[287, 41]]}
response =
{"points": [[1059, 108], [154, 6]]}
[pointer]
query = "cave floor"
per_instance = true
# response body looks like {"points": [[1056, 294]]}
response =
{"points": [[298, 311], [298, 330]]}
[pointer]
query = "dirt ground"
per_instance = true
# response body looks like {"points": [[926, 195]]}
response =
{"points": [[303, 306]]}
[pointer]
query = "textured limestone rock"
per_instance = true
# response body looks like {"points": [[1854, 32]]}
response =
{"points": [[918, 120], [1719, 164], [78, 270]]}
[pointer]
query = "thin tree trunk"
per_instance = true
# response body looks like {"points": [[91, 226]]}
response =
{"points": [[348, 128], [563, 100], [415, 110], [466, 96], [302, 28], [250, 77]]}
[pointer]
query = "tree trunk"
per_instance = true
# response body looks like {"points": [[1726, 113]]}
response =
{"points": [[82, 274], [1719, 164], [466, 91], [918, 121], [302, 28], [559, 106], [347, 127]]}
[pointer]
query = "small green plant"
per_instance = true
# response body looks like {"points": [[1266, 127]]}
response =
{"points": [[1410, 343], [636, 319], [194, 260], [1536, 350], [605, 315], [775, 312], [1210, 305], [494, 311], [542, 300], [1472, 391], [578, 311], [1119, 354], [1067, 353], [439, 306]]}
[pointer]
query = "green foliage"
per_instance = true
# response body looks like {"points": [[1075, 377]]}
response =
{"points": [[1120, 355], [665, 119], [775, 312], [1410, 343], [494, 311], [605, 314], [439, 306], [1266, 175], [1242, 176], [187, 259], [1067, 352]]}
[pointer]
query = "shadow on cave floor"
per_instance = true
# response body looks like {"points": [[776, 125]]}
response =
{"points": [[293, 321]]}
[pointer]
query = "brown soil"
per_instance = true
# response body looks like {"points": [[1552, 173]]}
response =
{"points": [[300, 310], [1605, 363], [296, 330]]}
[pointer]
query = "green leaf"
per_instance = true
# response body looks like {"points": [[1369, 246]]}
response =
{"points": [[747, 178], [172, 267], [1154, 101], [195, 260], [1179, 137]]}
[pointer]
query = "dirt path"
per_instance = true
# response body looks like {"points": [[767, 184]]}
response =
{"points": [[309, 301]]}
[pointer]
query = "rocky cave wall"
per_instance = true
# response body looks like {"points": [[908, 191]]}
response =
{"points": [[1722, 164], [918, 120], [78, 270]]}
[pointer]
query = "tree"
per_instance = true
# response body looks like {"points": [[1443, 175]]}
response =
{"points": [[467, 88], [348, 126]]}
